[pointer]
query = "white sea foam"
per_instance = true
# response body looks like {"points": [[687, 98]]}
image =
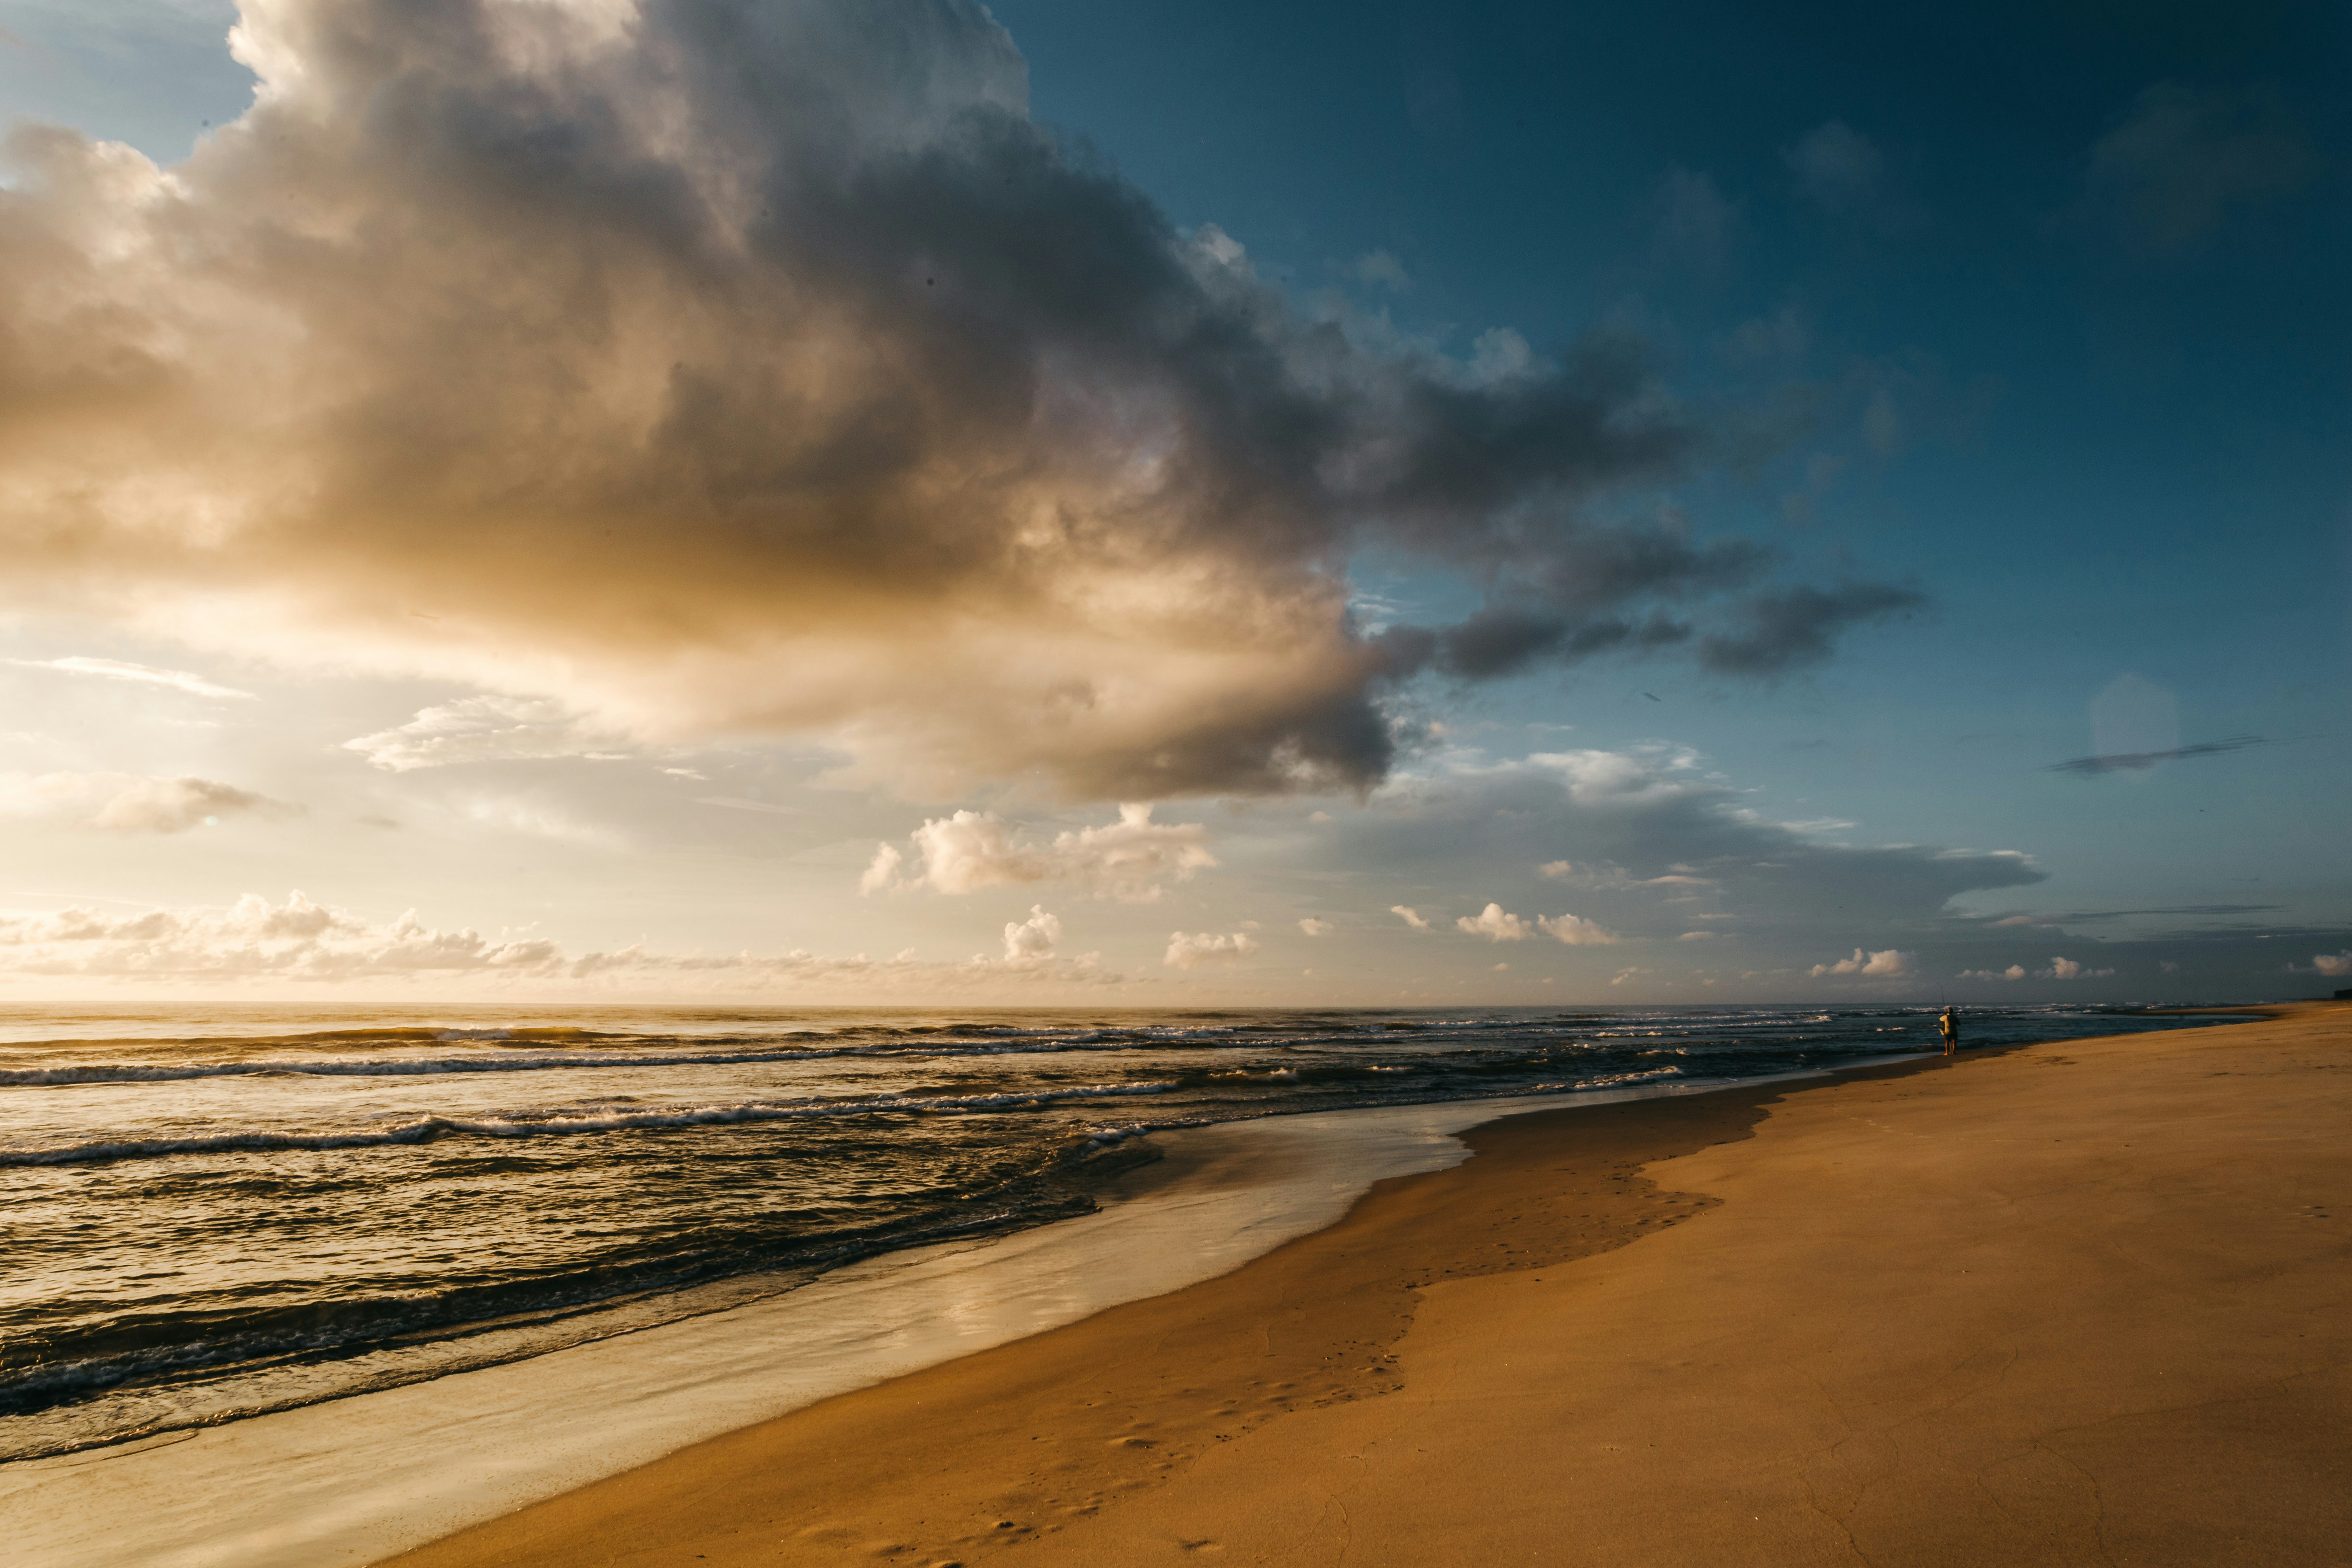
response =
{"points": [[908, 1044], [556, 1124], [378, 1067]]}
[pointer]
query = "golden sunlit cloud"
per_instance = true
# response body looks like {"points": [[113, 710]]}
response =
{"points": [[694, 367]]}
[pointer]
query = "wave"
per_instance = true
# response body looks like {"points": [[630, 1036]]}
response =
{"points": [[432, 1129], [782, 1051], [426, 1066], [384, 1067], [1204, 1028]]}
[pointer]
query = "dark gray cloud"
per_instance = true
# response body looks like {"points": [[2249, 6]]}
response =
{"points": [[2074, 916], [1857, 180], [1837, 166], [1651, 845], [2185, 160], [722, 367], [2128, 761], [1695, 225], [1503, 640], [1789, 628]]}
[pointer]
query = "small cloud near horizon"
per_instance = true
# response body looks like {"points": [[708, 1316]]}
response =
{"points": [[2125, 761], [1887, 963], [1496, 924], [122, 803], [1190, 950]]}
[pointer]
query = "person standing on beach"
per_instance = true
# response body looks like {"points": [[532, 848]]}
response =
{"points": [[1950, 1025]]}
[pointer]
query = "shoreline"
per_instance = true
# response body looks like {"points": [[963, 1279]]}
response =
{"points": [[360, 1477], [2060, 1303]]}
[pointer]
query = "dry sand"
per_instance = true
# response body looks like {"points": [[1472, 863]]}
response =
{"points": [[2072, 1303]]}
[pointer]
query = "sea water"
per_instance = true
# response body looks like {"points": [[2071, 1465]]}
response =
{"points": [[208, 1213]]}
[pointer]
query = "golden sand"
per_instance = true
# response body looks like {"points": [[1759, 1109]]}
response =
{"points": [[2088, 1302]]}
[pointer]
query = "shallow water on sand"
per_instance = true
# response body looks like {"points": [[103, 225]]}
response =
{"points": [[208, 1213]]}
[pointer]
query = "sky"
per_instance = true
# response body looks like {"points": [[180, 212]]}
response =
{"points": [[1167, 505]]}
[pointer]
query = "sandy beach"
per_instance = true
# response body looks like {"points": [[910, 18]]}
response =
{"points": [[954, 783], [2077, 1303]]}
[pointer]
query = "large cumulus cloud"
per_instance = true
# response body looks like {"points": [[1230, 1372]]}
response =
{"points": [[709, 365]]}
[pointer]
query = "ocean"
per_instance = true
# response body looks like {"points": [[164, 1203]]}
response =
{"points": [[211, 1213]]}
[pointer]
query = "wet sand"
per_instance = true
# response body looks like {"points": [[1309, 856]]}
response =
{"points": [[2074, 1304]]}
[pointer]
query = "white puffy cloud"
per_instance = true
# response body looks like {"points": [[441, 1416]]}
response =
{"points": [[1380, 267], [1648, 776], [975, 850], [140, 674], [1616, 879], [1314, 926], [2338, 964], [126, 802], [1496, 924], [882, 872], [2014, 971], [1190, 950], [1409, 915], [257, 944], [1574, 930], [1886, 963], [298, 939], [1033, 938], [855, 978], [2068, 969], [486, 728]]}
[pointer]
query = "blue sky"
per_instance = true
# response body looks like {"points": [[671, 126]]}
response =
{"points": [[2125, 446], [2037, 320]]}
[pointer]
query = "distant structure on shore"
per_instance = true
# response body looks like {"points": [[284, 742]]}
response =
{"points": [[2345, 994]]}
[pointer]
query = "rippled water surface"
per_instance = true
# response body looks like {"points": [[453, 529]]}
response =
{"points": [[209, 1213]]}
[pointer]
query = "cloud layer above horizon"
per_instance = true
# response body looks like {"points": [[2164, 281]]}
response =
{"points": [[711, 368]]}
